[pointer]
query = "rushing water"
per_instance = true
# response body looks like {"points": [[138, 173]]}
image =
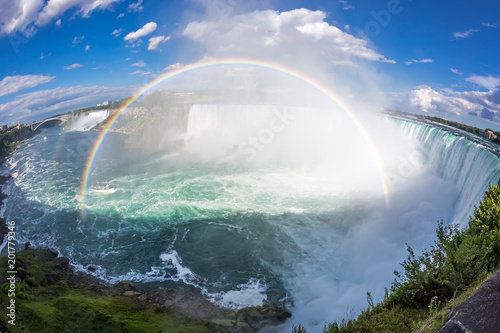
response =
{"points": [[240, 233]]}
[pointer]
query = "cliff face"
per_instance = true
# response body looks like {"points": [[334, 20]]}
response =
{"points": [[479, 313]]}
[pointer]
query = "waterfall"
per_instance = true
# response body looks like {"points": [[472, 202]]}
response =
{"points": [[466, 163], [88, 121]]}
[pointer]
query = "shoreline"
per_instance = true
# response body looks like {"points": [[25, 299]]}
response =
{"points": [[181, 304], [3, 222], [41, 271]]}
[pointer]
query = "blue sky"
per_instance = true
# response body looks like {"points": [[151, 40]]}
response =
{"points": [[434, 57]]}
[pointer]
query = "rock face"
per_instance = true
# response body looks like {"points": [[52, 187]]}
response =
{"points": [[480, 313], [263, 318], [61, 261]]}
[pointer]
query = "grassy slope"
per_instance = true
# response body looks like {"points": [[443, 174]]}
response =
{"points": [[46, 301]]}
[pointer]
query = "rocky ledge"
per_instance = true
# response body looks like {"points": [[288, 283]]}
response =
{"points": [[44, 272], [479, 313]]}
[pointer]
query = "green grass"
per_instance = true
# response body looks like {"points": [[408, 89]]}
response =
{"points": [[46, 302]]}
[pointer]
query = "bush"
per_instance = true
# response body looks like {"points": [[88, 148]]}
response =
{"points": [[455, 260], [429, 274]]}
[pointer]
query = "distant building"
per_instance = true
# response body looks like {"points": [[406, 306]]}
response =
{"points": [[104, 103], [488, 135]]}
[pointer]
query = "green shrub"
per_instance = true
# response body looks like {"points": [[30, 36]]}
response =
{"points": [[430, 273]]}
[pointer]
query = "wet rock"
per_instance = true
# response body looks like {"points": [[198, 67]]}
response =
{"points": [[126, 285], [262, 316], [91, 269], [61, 261], [479, 313], [52, 253], [130, 293]]}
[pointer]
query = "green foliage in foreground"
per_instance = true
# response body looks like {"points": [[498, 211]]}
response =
{"points": [[457, 260], [47, 302]]}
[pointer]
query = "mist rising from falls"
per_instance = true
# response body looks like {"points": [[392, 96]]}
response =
{"points": [[86, 122], [255, 135]]}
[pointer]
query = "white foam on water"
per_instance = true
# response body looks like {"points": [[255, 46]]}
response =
{"points": [[172, 260], [252, 293]]}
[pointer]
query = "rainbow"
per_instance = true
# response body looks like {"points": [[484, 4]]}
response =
{"points": [[220, 62]]}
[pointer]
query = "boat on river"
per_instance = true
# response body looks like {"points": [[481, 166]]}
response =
{"points": [[103, 188]]}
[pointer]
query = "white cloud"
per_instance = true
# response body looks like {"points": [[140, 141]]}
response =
{"points": [[139, 64], [172, 67], [298, 34], [144, 31], [141, 73], [23, 15], [12, 84], [117, 32], [73, 66], [77, 40], [18, 15], [120, 15], [44, 56], [423, 98], [490, 25], [448, 102], [466, 34], [127, 59], [346, 5], [87, 47], [44, 103], [135, 7], [55, 8], [456, 71], [137, 43], [155, 41], [489, 82], [422, 61]]}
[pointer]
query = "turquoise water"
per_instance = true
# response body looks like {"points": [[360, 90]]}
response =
{"points": [[238, 233], [230, 232]]}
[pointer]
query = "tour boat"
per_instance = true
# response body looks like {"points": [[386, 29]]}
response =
{"points": [[103, 188]]}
